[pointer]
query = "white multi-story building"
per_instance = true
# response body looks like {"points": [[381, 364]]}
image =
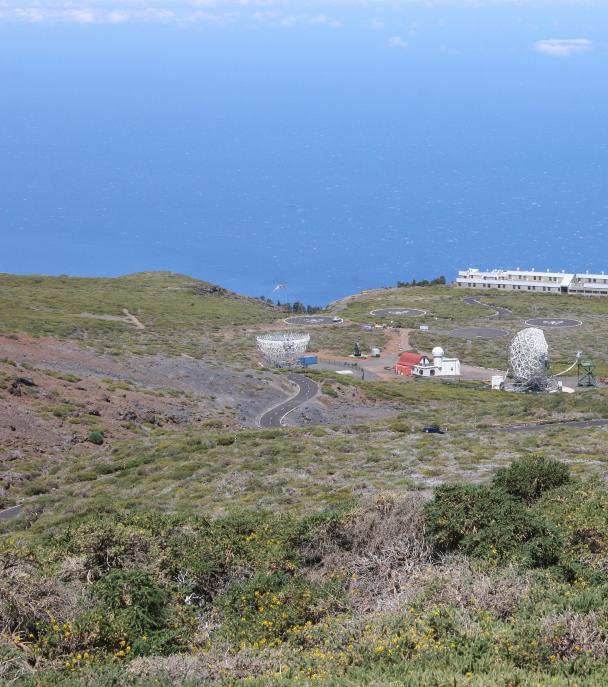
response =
{"points": [[515, 280], [531, 280], [590, 284]]}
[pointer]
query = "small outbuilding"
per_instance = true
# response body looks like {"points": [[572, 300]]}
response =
{"points": [[444, 366], [409, 361], [419, 365]]}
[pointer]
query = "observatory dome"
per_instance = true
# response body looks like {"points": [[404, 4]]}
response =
{"points": [[437, 352]]}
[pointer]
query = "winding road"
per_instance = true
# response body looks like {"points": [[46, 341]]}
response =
{"points": [[307, 391], [498, 310]]}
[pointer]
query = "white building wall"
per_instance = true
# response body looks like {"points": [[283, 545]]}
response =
{"points": [[450, 367], [441, 367], [530, 280]]}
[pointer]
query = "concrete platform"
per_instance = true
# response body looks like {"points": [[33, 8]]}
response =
{"points": [[477, 333], [552, 322]]}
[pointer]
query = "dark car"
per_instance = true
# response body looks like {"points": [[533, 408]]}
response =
{"points": [[433, 429]]}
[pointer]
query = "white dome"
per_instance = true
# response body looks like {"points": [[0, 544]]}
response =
{"points": [[437, 352]]}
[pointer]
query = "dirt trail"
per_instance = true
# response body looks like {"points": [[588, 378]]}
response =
{"points": [[126, 318], [133, 320], [399, 342]]}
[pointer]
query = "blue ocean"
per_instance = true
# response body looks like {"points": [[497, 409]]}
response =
{"points": [[331, 153]]}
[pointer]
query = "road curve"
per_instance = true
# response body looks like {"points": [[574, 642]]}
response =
{"points": [[499, 311], [307, 391]]}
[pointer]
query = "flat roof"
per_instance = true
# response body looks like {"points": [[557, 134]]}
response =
{"points": [[506, 273], [553, 285]]}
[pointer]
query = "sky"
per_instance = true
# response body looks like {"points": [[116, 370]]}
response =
{"points": [[331, 146]]}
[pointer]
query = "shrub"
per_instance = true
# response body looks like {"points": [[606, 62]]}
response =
{"points": [[96, 438], [133, 595], [489, 523], [531, 476], [578, 511], [400, 427], [267, 607], [329, 390], [131, 616]]}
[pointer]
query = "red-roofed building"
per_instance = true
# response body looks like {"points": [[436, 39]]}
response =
{"points": [[408, 361]]}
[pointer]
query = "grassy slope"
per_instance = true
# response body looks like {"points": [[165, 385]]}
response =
{"points": [[178, 319], [310, 469]]}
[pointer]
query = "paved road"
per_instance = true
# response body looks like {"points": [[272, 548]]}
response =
{"points": [[10, 513], [577, 424], [498, 310], [307, 391], [315, 320]]}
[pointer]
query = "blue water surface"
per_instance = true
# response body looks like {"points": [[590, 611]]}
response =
{"points": [[325, 159]]}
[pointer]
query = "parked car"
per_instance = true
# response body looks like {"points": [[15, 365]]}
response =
{"points": [[433, 429]]}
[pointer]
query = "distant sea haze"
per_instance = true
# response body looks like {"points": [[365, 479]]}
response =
{"points": [[328, 159]]}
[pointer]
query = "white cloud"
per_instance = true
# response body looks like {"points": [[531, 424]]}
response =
{"points": [[563, 47], [30, 14], [376, 25], [84, 17], [118, 17], [397, 42]]}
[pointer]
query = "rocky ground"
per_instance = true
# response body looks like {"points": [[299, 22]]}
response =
{"points": [[348, 406], [54, 395]]}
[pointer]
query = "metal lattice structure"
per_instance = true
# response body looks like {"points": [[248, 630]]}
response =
{"points": [[529, 361], [586, 373], [283, 349]]}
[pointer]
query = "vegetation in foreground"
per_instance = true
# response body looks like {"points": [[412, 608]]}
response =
{"points": [[502, 584]]}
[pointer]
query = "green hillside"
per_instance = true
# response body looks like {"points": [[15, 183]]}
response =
{"points": [[179, 313]]}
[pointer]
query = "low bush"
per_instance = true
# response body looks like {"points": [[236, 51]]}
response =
{"points": [[225, 440], [529, 477], [132, 614], [96, 438], [267, 607], [400, 427], [578, 511], [489, 523], [329, 390]]}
